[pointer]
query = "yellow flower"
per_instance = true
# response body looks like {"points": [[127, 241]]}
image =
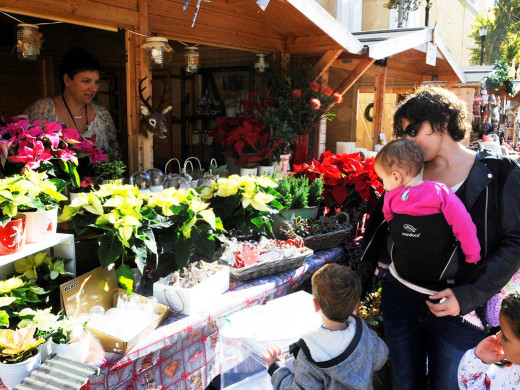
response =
{"points": [[266, 181], [228, 187], [6, 286], [260, 201], [30, 264], [15, 342]]}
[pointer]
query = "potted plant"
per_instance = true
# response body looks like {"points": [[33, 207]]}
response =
{"points": [[16, 294], [46, 324], [110, 171], [19, 354], [41, 212], [299, 198], [245, 204], [70, 339]]}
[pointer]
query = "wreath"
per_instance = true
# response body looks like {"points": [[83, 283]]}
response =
{"points": [[368, 117]]}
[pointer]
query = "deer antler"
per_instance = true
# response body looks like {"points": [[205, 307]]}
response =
{"points": [[163, 93], [141, 89]]}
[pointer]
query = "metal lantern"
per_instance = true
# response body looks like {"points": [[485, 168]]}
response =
{"points": [[159, 52], [261, 64], [191, 54], [29, 42]]}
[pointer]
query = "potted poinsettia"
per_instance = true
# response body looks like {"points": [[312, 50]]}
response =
{"points": [[19, 354], [15, 294], [349, 180], [46, 324], [240, 139], [47, 147], [70, 339]]}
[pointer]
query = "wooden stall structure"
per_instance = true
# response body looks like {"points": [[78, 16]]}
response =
{"points": [[393, 62], [284, 28]]}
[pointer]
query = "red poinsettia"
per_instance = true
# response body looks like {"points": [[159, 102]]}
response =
{"points": [[243, 138], [348, 180]]}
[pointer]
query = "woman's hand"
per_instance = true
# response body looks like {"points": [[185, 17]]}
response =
{"points": [[273, 354], [489, 350], [447, 306]]}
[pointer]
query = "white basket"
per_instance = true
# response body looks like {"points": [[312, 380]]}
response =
{"points": [[195, 299]]}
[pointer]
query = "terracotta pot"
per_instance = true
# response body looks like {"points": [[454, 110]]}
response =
{"points": [[300, 147], [12, 236]]}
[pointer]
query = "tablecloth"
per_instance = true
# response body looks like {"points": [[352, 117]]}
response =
{"points": [[182, 353]]}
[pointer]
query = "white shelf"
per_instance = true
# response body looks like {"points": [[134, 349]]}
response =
{"points": [[61, 246]]}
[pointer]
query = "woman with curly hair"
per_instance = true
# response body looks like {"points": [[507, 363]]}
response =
{"points": [[428, 330]]}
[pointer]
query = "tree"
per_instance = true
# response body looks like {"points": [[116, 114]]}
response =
{"points": [[503, 37], [403, 7]]}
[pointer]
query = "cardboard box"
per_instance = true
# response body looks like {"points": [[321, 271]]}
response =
{"points": [[98, 287], [193, 299]]}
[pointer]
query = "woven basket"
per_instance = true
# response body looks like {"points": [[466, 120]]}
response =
{"points": [[318, 242], [265, 268]]}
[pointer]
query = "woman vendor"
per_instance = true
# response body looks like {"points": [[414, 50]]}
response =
{"points": [[79, 72]]}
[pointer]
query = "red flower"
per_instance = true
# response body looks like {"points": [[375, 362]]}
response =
{"points": [[296, 93], [338, 97], [327, 90], [315, 104], [314, 86]]}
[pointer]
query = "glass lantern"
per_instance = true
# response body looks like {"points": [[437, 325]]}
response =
{"points": [[191, 54], [261, 64], [29, 42], [158, 51]]}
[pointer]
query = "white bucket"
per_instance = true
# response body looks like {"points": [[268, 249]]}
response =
{"points": [[41, 225]]}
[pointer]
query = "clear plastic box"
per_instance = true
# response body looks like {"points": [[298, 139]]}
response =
{"points": [[245, 336]]}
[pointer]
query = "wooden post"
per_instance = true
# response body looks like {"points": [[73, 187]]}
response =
{"points": [[379, 100], [355, 75], [132, 101], [326, 60]]}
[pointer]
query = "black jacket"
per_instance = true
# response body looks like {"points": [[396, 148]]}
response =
{"points": [[492, 197]]}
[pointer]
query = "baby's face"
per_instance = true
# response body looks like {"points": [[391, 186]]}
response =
{"points": [[509, 341]]}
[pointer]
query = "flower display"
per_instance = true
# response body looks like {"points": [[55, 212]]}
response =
{"points": [[29, 191], [15, 294], [244, 138], [244, 203], [129, 218], [18, 345], [46, 323], [348, 180], [44, 146]]}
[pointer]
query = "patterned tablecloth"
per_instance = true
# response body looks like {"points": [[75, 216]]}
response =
{"points": [[182, 353]]}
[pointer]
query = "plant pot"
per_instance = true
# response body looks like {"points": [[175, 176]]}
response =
{"points": [[231, 166], [45, 350], [265, 170], [300, 147], [41, 225], [283, 165], [118, 182], [304, 213], [249, 171], [13, 374], [77, 351], [12, 236]]}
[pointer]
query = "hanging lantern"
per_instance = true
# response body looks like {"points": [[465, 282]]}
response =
{"points": [[159, 52], [29, 42], [261, 64], [191, 54]]}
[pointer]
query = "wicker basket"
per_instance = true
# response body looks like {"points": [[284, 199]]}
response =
{"points": [[319, 242], [265, 268]]}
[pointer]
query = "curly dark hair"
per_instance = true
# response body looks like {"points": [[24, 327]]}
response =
{"points": [[436, 105], [510, 308]]}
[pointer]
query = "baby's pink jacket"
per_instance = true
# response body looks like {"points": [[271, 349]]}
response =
{"points": [[432, 197]]}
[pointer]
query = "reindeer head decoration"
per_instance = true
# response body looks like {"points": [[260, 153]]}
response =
{"points": [[153, 121]]}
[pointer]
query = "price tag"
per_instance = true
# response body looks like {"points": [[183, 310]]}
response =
{"points": [[431, 53]]}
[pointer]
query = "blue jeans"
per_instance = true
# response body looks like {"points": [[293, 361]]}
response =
{"points": [[421, 343]]}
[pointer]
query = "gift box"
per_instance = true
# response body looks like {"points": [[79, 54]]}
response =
{"points": [[193, 299], [97, 288]]}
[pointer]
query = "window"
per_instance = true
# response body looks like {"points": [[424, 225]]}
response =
{"points": [[349, 14]]}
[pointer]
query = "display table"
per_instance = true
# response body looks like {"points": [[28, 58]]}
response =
{"points": [[182, 353]]}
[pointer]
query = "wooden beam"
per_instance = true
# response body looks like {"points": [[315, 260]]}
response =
{"points": [[355, 75], [322, 66], [379, 100], [131, 99], [311, 44], [450, 84]]}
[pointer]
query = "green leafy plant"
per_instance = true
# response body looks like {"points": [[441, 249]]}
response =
{"points": [[500, 76], [16, 294], [130, 219], [112, 169], [296, 192], [245, 204], [316, 192]]}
